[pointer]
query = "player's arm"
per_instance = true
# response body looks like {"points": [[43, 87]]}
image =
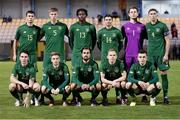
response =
{"points": [[71, 38], [32, 76], [167, 48], [99, 40], [104, 80], [66, 77], [96, 75], [154, 75], [124, 36], [46, 80], [94, 38], [14, 49], [122, 78], [75, 76], [131, 75], [120, 40]]}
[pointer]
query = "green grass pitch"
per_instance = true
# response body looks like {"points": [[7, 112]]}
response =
{"points": [[140, 111]]}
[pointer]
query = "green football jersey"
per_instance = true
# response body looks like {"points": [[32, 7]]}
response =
{"points": [[56, 77], [54, 37], [24, 74], [109, 39], [86, 73], [27, 36], [81, 36], [146, 73], [112, 71], [156, 38]]}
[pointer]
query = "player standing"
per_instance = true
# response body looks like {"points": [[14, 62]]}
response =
{"points": [[158, 48]]}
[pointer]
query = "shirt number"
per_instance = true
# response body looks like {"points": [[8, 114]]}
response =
{"points": [[30, 37], [82, 34], [54, 32], [108, 40]]}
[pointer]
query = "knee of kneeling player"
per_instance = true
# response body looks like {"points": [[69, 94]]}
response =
{"points": [[158, 85], [123, 84], [43, 89], [150, 87], [36, 87], [12, 86], [128, 85], [72, 86], [98, 86]]}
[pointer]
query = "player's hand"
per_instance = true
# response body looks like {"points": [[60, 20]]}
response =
{"points": [[165, 58], [53, 91], [57, 91], [25, 86], [142, 84], [27, 100], [115, 84], [14, 58]]}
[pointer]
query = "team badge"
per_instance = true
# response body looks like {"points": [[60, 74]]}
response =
{"points": [[147, 71], [116, 69], [59, 28], [60, 72], [157, 29], [87, 29], [77, 29], [114, 35], [89, 69], [138, 28], [34, 32], [24, 32], [81, 69]]}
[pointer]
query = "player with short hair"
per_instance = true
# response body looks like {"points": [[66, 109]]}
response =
{"points": [[143, 79], [113, 74], [82, 34], [23, 81], [109, 37], [26, 38], [56, 79], [86, 77], [158, 48], [134, 33], [54, 32]]}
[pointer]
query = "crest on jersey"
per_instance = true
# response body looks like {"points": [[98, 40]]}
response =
{"points": [[89, 69], [24, 32], [138, 28], [34, 32], [138, 72], [81, 69], [59, 27], [77, 29], [49, 28], [114, 35], [87, 29], [60, 72], [128, 28], [157, 29], [116, 69], [147, 71], [107, 70]]}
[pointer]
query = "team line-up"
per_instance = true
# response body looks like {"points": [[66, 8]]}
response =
{"points": [[135, 74]]}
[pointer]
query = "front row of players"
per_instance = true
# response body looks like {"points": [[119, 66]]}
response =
{"points": [[142, 79]]}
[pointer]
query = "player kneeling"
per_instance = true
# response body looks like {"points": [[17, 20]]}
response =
{"points": [[86, 77], [56, 79], [23, 81], [113, 75], [143, 79]]}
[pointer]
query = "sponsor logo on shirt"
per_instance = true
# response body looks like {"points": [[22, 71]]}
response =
{"points": [[128, 28], [149, 30], [104, 35], [49, 28], [77, 29], [24, 32]]}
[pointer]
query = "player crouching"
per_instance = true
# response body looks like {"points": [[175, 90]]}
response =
{"points": [[113, 75], [143, 79], [86, 77], [23, 81], [56, 79]]}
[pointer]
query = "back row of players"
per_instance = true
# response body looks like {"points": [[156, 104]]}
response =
{"points": [[142, 75]]}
